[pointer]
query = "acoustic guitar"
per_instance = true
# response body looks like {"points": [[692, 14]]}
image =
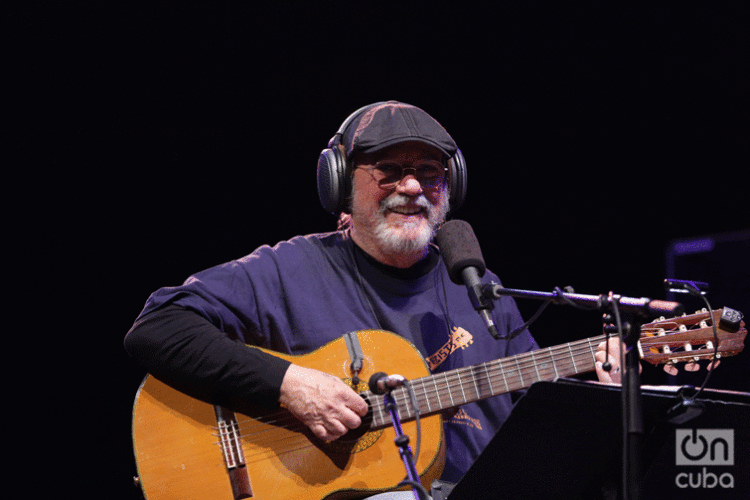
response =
{"points": [[187, 449]]}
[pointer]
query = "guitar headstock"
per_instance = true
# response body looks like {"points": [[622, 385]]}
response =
{"points": [[690, 338]]}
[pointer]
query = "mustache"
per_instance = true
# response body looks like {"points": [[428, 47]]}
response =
{"points": [[397, 200]]}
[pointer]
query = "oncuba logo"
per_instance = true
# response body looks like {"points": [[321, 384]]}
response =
{"points": [[704, 447]]}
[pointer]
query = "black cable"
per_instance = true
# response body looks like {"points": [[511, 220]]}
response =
{"points": [[523, 327], [413, 399], [716, 350], [561, 295], [692, 289]]}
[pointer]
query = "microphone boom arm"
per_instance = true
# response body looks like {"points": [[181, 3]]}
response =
{"points": [[642, 306]]}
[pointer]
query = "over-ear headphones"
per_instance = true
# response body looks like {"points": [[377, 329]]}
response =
{"points": [[334, 175]]}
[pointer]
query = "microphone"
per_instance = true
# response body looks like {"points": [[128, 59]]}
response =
{"points": [[463, 258], [382, 383]]}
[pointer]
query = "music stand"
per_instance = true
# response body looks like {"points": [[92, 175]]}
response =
{"points": [[563, 440]]}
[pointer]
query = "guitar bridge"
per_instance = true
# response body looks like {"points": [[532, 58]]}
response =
{"points": [[234, 458]]}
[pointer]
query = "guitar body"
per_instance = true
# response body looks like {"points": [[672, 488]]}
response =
{"points": [[179, 456]]}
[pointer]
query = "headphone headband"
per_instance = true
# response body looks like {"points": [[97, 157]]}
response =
{"points": [[336, 139]]}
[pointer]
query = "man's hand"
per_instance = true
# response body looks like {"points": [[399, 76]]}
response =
{"points": [[614, 375], [321, 401]]}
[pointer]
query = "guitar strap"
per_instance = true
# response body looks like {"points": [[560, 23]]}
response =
{"points": [[356, 356]]}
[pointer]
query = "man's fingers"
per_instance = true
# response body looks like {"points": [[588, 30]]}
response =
{"points": [[324, 403], [350, 419]]}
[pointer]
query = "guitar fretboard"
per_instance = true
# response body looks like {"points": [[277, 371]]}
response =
{"points": [[454, 388]]}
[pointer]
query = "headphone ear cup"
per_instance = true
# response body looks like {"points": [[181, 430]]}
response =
{"points": [[333, 181], [457, 172]]}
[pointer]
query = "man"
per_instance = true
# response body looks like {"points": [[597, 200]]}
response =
{"points": [[394, 172]]}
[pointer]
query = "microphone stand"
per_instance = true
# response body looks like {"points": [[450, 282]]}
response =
{"points": [[632, 412], [402, 442]]}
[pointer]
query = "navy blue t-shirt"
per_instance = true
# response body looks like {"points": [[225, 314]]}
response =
{"points": [[303, 293]]}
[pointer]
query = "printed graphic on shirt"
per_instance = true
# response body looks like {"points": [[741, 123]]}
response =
{"points": [[463, 418], [459, 338]]}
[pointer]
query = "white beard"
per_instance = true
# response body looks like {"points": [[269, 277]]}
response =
{"points": [[411, 236]]}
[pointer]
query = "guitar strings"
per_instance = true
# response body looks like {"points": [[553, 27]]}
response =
{"points": [[523, 361], [509, 369], [506, 373], [510, 373]]}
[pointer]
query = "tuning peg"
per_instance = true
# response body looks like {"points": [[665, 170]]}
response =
{"points": [[714, 361], [671, 369], [688, 348]]}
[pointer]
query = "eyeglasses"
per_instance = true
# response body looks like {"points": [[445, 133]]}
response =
{"points": [[388, 173]]}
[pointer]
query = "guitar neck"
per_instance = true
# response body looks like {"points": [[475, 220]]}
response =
{"points": [[454, 388]]}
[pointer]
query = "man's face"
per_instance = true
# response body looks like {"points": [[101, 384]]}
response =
{"points": [[400, 220]]}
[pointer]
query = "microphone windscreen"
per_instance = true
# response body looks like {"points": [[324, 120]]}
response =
{"points": [[373, 382], [460, 249]]}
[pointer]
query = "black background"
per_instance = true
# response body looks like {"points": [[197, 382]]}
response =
{"points": [[167, 139]]}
